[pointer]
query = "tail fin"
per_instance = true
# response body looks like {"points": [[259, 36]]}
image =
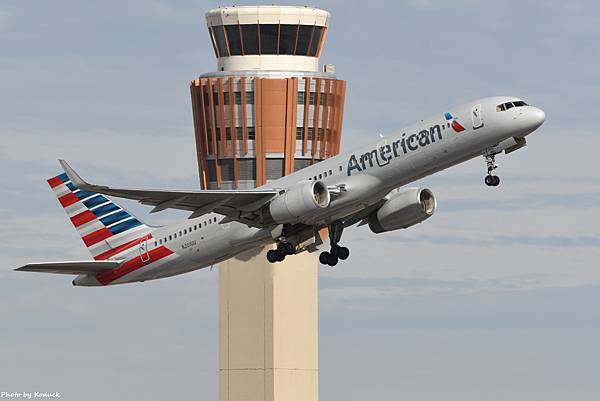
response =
{"points": [[105, 228]]}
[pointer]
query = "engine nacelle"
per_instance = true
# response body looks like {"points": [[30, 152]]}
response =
{"points": [[403, 209], [299, 202]]}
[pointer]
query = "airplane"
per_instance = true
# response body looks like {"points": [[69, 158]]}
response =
{"points": [[365, 186]]}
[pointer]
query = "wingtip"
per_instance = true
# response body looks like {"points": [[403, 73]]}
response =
{"points": [[73, 176]]}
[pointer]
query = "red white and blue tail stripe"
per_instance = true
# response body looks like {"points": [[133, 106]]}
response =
{"points": [[105, 228]]}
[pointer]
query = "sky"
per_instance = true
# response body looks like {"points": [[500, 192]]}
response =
{"points": [[495, 297]]}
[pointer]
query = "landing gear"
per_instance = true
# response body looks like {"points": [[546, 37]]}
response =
{"points": [[340, 251], [278, 255], [327, 258], [337, 252], [491, 180]]}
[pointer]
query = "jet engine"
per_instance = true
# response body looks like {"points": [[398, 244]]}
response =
{"points": [[298, 202], [403, 208]]}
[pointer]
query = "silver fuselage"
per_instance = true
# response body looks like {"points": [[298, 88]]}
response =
{"points": [[367, 174]]}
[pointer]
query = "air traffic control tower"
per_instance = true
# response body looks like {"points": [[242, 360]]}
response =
{"points": [[267, 111]]}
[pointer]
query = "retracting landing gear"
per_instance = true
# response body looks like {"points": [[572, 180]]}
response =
{"points": [[278, 255], [337, 252], [491, 180]]}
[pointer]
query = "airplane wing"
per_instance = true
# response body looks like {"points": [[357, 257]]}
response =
{"points": [[238, 205], [76, 267]]}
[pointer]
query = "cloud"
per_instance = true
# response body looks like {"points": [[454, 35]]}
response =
{"points": [[427, 4], [164, 159], [5, 19], [168, 13]]}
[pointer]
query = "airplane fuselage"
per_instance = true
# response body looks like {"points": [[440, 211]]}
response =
{"points": [[365, 175]]}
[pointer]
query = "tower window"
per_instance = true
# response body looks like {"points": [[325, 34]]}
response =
{"points": [[220, 39], [304, 34], [233, 38], [268, 38], [250, 37]]}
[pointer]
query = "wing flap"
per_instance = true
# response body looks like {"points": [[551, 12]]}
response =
{"points": [[71, 267]]}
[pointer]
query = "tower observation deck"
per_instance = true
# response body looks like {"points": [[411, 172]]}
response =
{"points": [[268, 110]]}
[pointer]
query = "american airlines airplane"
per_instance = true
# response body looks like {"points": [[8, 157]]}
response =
{"points": [[365, 187]]}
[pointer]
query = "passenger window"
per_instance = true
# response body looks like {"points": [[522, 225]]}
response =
{"points": [[315, 177], [170, 238], [340, 168], [320, 176], [155, 243], [175, 235], [330, 172], [215, 219], [185, 231], [325, 174]]}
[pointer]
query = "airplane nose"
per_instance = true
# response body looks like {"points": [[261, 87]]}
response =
{"points": [[536, 117]]}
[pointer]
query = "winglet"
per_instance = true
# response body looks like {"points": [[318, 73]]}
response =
{"points": [[73, 176], [78, 181]]}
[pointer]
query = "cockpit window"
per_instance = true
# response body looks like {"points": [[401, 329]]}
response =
{"points": [[510, 105]]}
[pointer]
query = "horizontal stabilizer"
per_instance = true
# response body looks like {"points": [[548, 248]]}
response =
{"points": [[75, 267]]}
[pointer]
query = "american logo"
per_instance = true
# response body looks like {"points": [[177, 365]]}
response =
{"points": [[384, 154], [453, 123]]}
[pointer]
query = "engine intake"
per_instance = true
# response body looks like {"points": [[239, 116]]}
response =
{"points": [[299, 202], [403, 209]]}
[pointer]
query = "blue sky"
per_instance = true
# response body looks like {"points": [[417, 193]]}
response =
{"points": [[494, 298]]}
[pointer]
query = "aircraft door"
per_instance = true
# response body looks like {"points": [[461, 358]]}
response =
{"points": [[144, 256], [477, 117]]}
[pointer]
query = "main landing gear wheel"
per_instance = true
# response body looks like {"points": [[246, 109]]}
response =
{"points": [[279, 254], [491, 180], [328, 259], [337, 252], [340, 251]]}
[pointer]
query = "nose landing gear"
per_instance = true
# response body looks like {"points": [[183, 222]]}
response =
{"points": [[491, 180], [337, 252]]}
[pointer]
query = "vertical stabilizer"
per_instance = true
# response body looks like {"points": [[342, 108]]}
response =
{"points": [[105, 228]]}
